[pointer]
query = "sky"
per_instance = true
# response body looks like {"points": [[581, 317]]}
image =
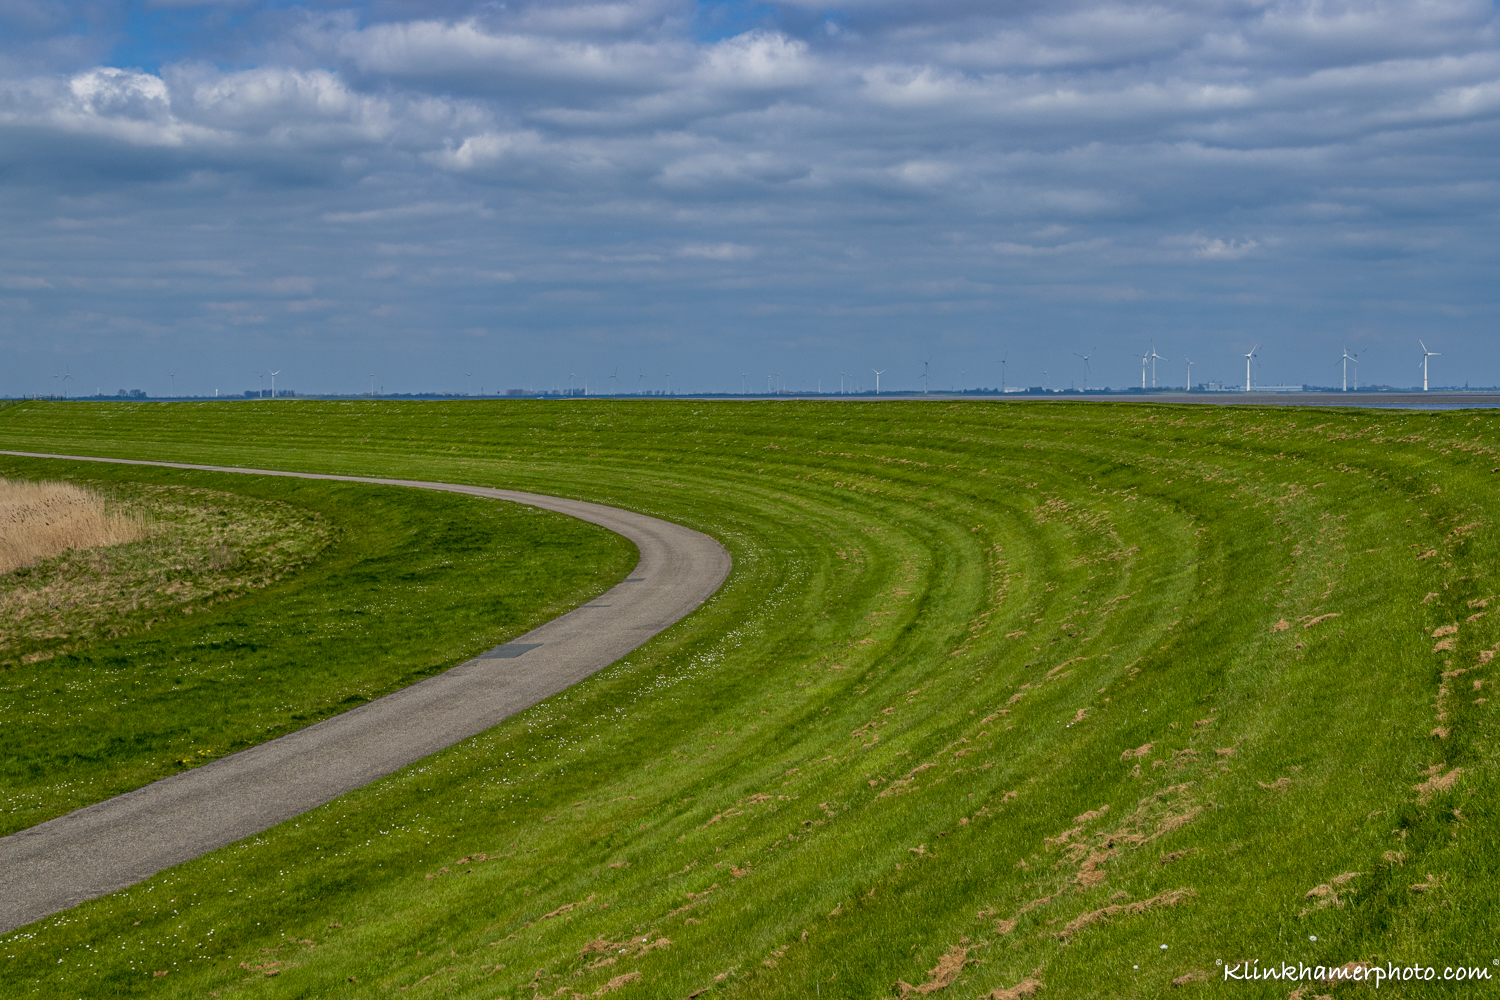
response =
{"points": [[703, 197]]}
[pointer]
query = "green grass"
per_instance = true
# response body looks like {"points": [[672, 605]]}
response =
{"points": [[378, 587], [881, 740]]}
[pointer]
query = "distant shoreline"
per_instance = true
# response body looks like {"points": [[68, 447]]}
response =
{"points": [[1446, 399]]}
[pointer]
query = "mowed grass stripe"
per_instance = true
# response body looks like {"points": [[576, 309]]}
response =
{"points": [[1214, 524]]}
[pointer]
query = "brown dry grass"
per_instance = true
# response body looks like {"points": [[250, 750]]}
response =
{"points": [[1433, 785], [943, 974], [1025, 988], [1169, 898], [42, 520]]}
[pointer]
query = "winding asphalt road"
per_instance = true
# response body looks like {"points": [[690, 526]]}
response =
{"points": [[123, 840]]}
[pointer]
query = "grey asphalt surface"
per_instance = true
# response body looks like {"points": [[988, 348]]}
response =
{"points": [[112, 844]]}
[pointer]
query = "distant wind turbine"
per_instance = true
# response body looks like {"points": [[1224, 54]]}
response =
{"points": [[877, 378], [1190, 364], [1425, 355], [1345, 362], [924, 376], [1154, 359], [372, 385], [273, 382], [1250, 356], [173, 377], [744, 390], [1144, 359], [638, 383], [1003, 359], [616, 379], [1085, 358], [669, 383]]}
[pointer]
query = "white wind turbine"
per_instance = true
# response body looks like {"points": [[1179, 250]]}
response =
{"points": [[1425, 355], [1085, 358], [1002, 372], [744, 386], [877, 378], [372, 385], [1154, 359], [1145, 358], [273, 381], [1248, 358], [924, 376], [616, 379], [638, 383], [1190, 364], [1345, 362]]}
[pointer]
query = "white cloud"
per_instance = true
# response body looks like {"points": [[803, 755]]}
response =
{"points": [[1219, 249], [1029, 250], [719, 251]]}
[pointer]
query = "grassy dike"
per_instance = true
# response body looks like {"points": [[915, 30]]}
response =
{"points": [[997, 695], [373, 588]]}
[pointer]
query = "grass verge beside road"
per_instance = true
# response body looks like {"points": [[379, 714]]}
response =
{"points": [[997, 694], [329, 594]]}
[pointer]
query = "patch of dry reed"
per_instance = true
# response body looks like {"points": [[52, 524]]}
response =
{"points": [[42, 520]]}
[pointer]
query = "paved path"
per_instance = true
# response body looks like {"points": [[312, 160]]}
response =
{"points": [[126, 839]]}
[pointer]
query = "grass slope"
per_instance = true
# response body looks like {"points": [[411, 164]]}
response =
{"points": [[997, 693], [191, 549], [390, 585]]}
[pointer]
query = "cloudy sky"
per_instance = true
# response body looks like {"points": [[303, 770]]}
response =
{"points": [[455, 196]]}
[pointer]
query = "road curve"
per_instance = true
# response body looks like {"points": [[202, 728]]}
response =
{"points": [[112, 844]]}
